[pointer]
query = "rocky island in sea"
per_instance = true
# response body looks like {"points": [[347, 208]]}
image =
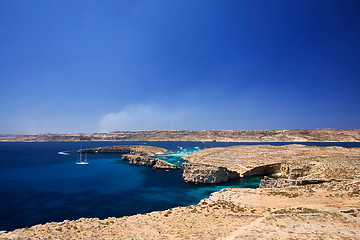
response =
{"points": [[136, 155], [309, 193]]}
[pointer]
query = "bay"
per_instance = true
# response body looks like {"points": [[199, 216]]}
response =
{"points": [[38, 185]]}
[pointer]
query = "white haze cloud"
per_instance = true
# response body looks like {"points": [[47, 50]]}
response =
{"points": [[144, 117]]}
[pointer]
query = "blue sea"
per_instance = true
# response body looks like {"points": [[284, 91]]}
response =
{"points": [[38, 185]]}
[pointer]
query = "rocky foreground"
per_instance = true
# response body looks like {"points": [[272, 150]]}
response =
{"points": [[325, 205]]}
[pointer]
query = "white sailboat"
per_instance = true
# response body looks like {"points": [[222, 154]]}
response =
{"points": [[81, 162], [64, 153]]}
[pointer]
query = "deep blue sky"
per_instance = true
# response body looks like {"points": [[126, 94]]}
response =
{"points": [[90, 66]]}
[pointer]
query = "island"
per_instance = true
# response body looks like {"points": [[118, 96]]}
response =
{"points": [[306, 193], [136, 155]]}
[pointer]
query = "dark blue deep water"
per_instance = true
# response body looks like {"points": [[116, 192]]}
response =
{"points": [[38, 185]]}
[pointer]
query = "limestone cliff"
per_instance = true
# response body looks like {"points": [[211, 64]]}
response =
{"points": [[203, 173], [268, 182], [161, 164], [148, 161], [293, 162], [127, 149], [138, 160]]}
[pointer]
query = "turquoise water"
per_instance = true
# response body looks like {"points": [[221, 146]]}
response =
{"points": [[174, 155], [38, 185]]}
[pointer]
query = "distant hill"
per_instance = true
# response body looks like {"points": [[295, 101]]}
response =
{"points": [[297, 135]]}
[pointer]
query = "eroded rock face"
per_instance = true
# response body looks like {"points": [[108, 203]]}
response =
{"points": [[263, 170], [268, 182], [131, 149], [202, 173], [161, 164], [139, 160]]}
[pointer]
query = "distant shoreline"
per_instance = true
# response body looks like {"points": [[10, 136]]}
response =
{"points": [[297, 135], [177, 141]]}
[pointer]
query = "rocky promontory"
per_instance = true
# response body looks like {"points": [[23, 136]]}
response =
{"points": [[205, 173], [155, 163], [126, 149], [292, 162], [136, 155]]}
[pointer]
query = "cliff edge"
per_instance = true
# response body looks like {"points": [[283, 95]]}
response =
{"points": [[294, 162]]}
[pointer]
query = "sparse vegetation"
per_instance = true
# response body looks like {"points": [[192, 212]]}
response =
{"points": [[301, 210], [285, 194]]}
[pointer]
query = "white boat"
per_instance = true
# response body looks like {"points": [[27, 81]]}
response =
{"points": [[64, 153], [81, 162]]}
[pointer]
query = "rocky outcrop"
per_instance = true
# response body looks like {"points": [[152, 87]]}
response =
{"points": [[161, 164], [263, 170], [268, 182], [138, 160], [132, 149], [202, 173], [136, 155], [290, 162], [156, 163]]}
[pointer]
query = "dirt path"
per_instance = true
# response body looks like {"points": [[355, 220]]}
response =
{"points": [[243, 229]]}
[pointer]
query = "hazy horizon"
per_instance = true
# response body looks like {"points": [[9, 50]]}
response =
{"points": [[177, 130], [103, 66]]}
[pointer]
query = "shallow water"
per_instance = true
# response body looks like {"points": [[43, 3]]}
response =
{"points": [[38, 185]]}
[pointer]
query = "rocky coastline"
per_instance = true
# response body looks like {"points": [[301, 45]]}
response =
{"points": [[309, 193], [291, 162], [205, 173], [126, 149], [155, 163], [137, 155]]}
